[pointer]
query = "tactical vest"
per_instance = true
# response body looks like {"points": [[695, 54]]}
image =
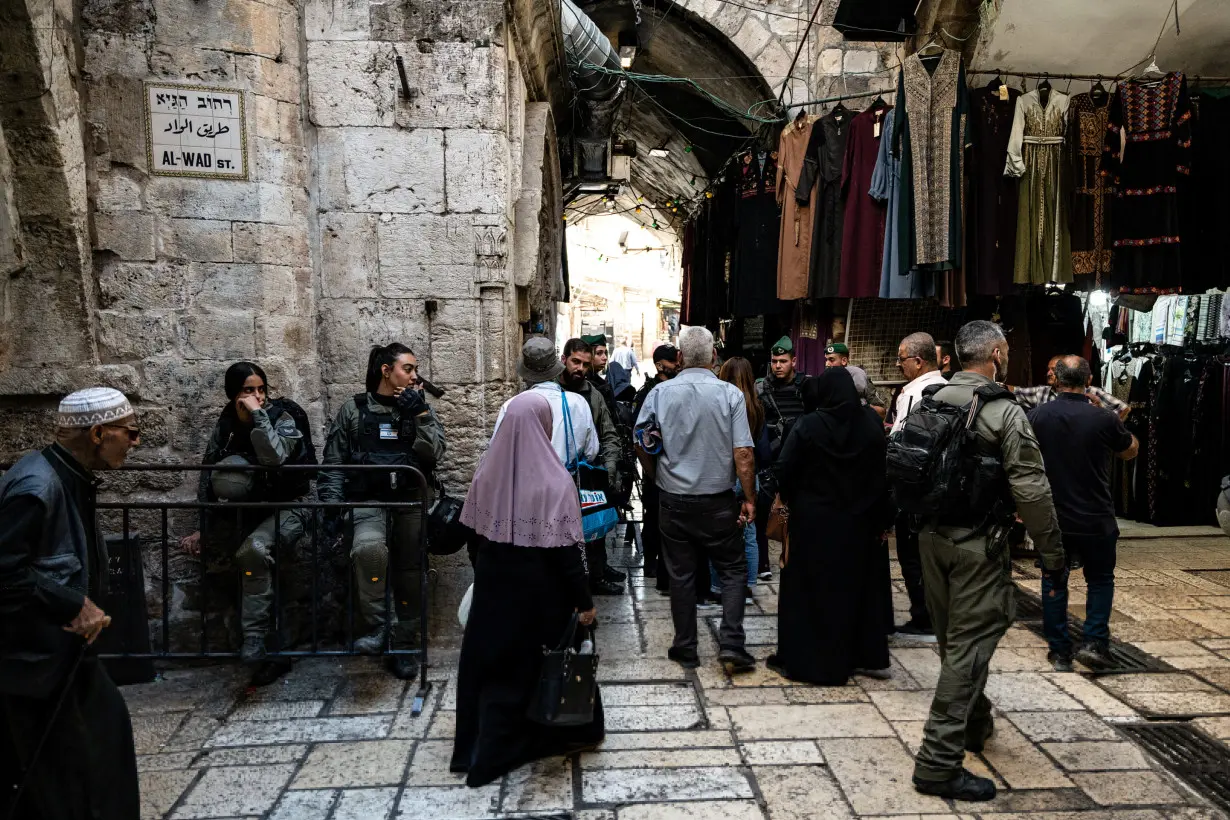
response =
{"points": [[783, 406], [384, 441], [271, 486]]}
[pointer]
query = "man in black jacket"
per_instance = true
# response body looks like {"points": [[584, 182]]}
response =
{"points": [[53, 566]]}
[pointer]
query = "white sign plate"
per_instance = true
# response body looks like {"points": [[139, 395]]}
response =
{"points": [[196, 131]]}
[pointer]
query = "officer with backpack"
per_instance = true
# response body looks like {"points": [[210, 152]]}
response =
{"points": [[781, 393], [964, 465], [389, 425], [254, 429]]}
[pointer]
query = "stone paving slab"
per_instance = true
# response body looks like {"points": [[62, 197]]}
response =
{"points": [[335, 740]]}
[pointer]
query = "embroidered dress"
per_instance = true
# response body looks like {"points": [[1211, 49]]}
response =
{"points": [[1092, 192], [753, 272], [1035, 155], [1147, 150]]}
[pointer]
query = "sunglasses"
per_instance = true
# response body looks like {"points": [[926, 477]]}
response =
{"points": [[134, 433]]}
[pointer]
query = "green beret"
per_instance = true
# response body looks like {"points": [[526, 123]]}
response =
{"points": [[839, 348], [783, 346], [595, 341]]}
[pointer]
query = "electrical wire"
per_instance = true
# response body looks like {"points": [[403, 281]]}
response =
{"points": [[802, 41], [637, 77]]}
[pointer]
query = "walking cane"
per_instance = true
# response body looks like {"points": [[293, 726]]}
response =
{"points": [[68, 683]]}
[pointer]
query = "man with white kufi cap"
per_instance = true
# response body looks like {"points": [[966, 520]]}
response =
{"points": [[68, 751]]}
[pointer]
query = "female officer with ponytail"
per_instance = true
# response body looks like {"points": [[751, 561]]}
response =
{"points": [[390, 424]]}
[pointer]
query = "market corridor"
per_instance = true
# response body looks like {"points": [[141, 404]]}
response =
{"points": [[336, 739]]}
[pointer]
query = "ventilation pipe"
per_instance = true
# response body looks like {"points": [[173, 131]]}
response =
{"points": [[598, 91]]}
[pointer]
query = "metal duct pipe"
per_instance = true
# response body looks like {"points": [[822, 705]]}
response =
{"points": [[585, 44]]}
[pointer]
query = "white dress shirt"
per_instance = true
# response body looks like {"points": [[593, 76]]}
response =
{"points": [[912, 394], [584, 433]]}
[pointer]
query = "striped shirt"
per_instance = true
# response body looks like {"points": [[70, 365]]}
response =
{"points": [[1031, 397]]}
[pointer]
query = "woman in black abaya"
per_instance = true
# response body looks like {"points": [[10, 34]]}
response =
{"points": [[529, 578], [831, 619]]}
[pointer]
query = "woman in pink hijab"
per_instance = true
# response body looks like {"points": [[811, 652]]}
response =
{"points": [[529, 578]]}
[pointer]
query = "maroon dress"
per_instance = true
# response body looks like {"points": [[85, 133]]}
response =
{"points": [[862, 241]]}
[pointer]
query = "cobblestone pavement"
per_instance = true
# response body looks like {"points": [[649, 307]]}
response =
{"points": [[335, 739]]}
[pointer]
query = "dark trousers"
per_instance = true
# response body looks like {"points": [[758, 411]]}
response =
{"points": [[1097, 554], [764, 504], [595, 559], [698, 530], [911, 572], [651, 535]]}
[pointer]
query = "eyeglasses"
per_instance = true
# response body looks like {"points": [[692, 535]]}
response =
{"points": [[134, 433]]}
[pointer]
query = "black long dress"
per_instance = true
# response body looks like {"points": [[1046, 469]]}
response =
{"points": [[826, 152], [992, 207], [523, 600], [832, 617], [753, 272]]}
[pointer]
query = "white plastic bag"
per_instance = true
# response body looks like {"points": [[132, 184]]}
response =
{"points": [[463, 611]]}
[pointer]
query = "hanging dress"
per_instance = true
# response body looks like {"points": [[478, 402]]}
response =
{"points": [[1148, 148], [826, 151], [1092, 192], [794, 245], [754, 264], [897, 281], [862, 240], [1035, 155], [990, 219]]}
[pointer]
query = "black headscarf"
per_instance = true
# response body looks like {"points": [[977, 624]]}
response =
{"points": [[837, 448]]}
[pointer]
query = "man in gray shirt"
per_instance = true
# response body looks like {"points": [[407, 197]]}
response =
{"points": [[693, 441]]}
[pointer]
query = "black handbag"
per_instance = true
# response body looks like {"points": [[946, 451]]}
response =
{"points": [[445, 532], [567, 684]]}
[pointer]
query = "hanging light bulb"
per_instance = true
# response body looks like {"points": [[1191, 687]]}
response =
{"points": [[687, 149], [708, 194], [655, 224], [693, 180], [638, 209]]}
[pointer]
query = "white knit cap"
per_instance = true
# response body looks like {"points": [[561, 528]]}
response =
{"points": [[94, 405]]}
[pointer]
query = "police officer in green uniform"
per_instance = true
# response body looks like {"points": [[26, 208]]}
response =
{"points": [[389, 424], [969, 588]]}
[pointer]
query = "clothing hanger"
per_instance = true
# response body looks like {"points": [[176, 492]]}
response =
{"points": [[840, 112], [1098, 92], [1044, 90], [932, 42], [1152, 74]]}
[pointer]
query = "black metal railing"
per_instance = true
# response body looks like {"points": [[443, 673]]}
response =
{"points": [[322, 544]]}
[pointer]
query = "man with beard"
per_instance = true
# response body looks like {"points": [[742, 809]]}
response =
{"points": [[578, 360], [67, 737], [665, 361]]}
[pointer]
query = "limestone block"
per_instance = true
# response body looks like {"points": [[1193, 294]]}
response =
{"points": [[455, 341], [126, 335], [290, 119], [426, 256], [337, 19], [381, 169], [262, 116], [287, 336], [752, 36], [269, 78], [278, 163], [143, 285], [117, 192], [118, 102], [189, 384], [261, 288], [862, 61], [195, 240], [456, 85], [219, 336], [118, 16], [477, 173], [272, 244], [122, 54], [410, 20], [130, 235], [188, 62], [351, 83], [773, 63], [349, 260], [830, 61], [223, 199], [60, 381], [350, 327], [237, 26]]}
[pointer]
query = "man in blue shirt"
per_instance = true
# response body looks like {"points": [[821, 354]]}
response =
{"points": [[693, 441], [1077, 441]]}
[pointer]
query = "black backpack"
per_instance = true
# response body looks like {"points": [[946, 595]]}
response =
{"points": [[934, 468]]}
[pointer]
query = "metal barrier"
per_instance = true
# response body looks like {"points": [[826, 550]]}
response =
{"points": [[313, 532]]}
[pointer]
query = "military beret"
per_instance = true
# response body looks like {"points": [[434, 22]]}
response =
{"points": [[782, 346], [595, 341], [837, 347]]}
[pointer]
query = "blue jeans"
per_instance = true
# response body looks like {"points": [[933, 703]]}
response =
{"points": [[751, 549], [1097, 554]]}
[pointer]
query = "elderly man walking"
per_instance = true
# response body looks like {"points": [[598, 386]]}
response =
{"points": [[66, 746], [693, 441]]}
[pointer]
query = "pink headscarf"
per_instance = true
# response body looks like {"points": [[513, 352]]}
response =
{"points": [[521, 494]]}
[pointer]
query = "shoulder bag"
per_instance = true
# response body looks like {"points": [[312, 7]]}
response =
{"points": [[567, 684], [598, 513]]}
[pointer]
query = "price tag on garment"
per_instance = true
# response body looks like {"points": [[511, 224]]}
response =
{"points": [[387, 432], [1003, 91], [876, 131]]}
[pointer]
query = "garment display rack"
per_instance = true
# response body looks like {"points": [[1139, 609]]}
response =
{"points": [[989, 72]]}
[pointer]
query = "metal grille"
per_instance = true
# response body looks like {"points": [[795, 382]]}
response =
{"points": [[1192, 756]]}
